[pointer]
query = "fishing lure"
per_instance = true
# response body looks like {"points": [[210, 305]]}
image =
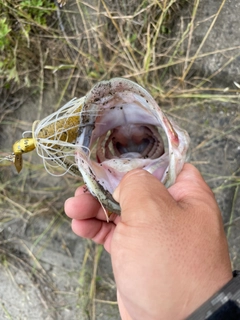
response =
{"points": [[115, 128]]}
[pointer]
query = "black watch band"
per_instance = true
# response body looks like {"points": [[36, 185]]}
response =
{"points": [[223, 305]]}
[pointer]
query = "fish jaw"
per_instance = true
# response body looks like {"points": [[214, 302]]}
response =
{"points": [[178, 142], [94, 178], [122, 110]]}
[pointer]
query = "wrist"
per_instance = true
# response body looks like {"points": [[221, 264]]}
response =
{"points": [[223, 303]]}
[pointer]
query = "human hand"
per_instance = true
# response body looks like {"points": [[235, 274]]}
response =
{"points": [[168, 249]]}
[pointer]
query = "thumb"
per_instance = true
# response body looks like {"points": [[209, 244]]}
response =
{"points": [[142, 197]]}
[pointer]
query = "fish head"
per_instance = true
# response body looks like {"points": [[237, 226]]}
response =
{"points": [[122, 128]]}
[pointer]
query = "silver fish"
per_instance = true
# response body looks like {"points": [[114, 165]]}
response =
{"points": [[123, 124]]}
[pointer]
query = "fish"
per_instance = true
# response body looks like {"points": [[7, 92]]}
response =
{"points": [[115, 128], [126, 126]]}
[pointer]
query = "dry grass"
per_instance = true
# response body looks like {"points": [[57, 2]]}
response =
{"points": [[79, 45]]}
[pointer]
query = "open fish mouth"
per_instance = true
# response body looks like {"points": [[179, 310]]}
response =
{"points": [[122, 128]]}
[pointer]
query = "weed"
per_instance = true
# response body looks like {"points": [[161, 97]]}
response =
{"points": [[19, 21], [4, 31], [48, 56]]}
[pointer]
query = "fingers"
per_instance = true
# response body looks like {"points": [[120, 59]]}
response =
{"points": [[99, 231], [141, 195], [83, 206], [191, 176], [143, 200], [89, 219], [190, 186], [139, 189], [81, 190]]}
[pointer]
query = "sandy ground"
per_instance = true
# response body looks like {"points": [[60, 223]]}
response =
{"points": [[49, 273]]}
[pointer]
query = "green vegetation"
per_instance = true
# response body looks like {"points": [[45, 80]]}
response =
{"points": [[50, 55], [4, 31], [20, 21]]}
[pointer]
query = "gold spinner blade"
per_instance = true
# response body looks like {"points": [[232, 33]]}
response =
{"points": [[21, 146]]}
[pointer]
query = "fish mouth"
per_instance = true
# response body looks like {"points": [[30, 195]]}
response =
{"points": [[130, 141], [122, 128]]}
